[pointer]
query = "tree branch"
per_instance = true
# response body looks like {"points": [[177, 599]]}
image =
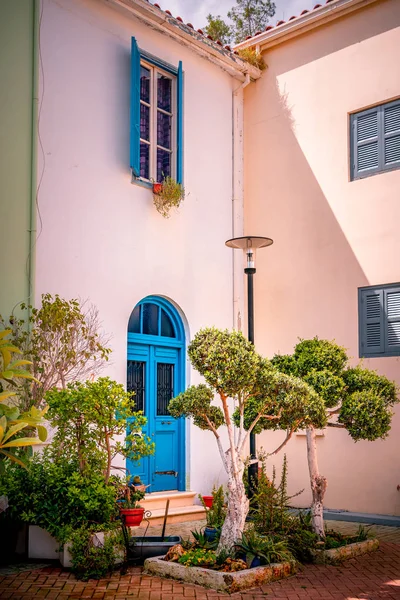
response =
{"points": [[338, 425]]}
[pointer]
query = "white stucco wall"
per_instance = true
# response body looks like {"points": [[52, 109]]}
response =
{"points": [[99, 235]]}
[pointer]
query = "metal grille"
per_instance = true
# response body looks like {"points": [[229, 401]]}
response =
{"points": [[165, 387], [136, 382]]}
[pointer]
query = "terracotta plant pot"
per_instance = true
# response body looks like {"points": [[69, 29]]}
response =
{"points": [[132, 516], [208, 501], [157, 188]]}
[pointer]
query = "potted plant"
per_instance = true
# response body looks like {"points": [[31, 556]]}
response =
{"points": [[215, 514], [167, 195], [208, 501], [129, 507], [258, 550]]}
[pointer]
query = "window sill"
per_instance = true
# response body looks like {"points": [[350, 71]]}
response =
{"points": [[141, 182]]}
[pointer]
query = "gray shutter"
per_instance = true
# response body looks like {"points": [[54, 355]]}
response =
{"points": [[392, 324], [391, 126], [371, 322], [365, 142]]}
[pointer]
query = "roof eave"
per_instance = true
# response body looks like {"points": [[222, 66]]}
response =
{"points": [[159, 20], [304, 23]]}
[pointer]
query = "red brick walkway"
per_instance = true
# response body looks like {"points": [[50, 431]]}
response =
{"points": [[369, 577]]}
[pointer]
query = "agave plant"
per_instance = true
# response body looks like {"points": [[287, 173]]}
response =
{"points": [[265, 548]]}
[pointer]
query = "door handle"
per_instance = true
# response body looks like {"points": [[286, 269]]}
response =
{"points": [[166, 422]]}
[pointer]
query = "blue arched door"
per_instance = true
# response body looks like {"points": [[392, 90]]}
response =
{"points": [[155, 372]]}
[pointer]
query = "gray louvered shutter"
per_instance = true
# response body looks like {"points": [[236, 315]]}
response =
{"points": [[371, 322], [365, 142], [392, 324], [391, 135]]}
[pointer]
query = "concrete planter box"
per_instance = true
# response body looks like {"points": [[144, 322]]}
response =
{"points": [[65, 557], [335, 556], [43, 546], [221, 582], [148, 547]]}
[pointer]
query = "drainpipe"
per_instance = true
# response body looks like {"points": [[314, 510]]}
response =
{"points": [[34, 135], [238, 201], [237, 204]]}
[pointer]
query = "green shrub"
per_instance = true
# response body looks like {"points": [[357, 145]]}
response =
{"points": [[198, 557], [90, 558]]}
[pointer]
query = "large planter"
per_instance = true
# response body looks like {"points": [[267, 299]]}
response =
{"points": [[335, 556], [147, 547], [132, 516], [222, 582], [41, 545]]}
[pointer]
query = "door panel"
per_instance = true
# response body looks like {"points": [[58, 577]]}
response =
{"points": [[153, 373]]}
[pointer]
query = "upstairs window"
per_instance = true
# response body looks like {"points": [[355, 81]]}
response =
{"points": [[379, 320], [375, 140], [156, 118]]}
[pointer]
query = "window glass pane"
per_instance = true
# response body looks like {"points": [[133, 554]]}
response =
{"points": [[150, 319], [136, 380], [134, 321], [164, 92], [144, 122], [144, 160], [163, 164], [165, 387], [163, 130], [145, 84], [167, 329]]}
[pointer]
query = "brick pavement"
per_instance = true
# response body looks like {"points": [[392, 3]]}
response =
{"points": [[369, 577]]}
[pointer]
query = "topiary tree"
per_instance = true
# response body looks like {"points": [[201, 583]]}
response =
{"points": [[356, 399], [264, 398]]}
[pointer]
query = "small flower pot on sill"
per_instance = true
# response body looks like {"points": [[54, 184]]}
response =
{"points": [[132, 516], [157, 188], [208, 501]]}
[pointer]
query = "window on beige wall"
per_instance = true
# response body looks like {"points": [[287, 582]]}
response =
{"points": [[379, 320], [375, 140]]}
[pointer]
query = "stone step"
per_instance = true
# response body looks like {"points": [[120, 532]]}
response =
{"points": [[176, 499], [177, 514]]}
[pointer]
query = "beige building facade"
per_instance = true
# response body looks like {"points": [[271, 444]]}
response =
{"points": [[335, 226]]}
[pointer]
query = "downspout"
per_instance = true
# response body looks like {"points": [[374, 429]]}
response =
{"points": [[238, 205], [34, 134], [238, 201]]}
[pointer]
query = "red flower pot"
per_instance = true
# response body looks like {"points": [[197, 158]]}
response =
{"points": [[208, 501], [157, 188], [132, 516]]}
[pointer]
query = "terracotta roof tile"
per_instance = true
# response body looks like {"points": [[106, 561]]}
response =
{"points": [[304, 12]]}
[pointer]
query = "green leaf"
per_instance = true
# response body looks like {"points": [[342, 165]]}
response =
{"points": [[13, 458], [42, 433], [22, 442], [5, 395], [14, 429]]}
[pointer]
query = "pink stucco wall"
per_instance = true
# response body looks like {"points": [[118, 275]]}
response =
{"points": [[331, 235], [100, 236]]}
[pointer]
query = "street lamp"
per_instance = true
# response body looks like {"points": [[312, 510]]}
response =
{"points": [[249, 244]]}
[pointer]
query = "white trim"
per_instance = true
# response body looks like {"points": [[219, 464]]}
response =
{"points": [[159, 20], [299, 25]]}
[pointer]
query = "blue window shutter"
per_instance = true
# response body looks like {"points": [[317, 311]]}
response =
{"points": [[371, 321], [135, 109], [392, 324], [365, 142], [391, 134], [179, 140]]}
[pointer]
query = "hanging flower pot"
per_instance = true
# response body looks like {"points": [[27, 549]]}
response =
{"points": [[132, 516], [157, 188]]}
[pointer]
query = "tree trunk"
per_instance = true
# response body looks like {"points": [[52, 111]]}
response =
{"points": [[238, 507], [318, 485]]}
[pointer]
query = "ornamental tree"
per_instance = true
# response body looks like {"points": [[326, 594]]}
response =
{"points": [[356, 399], [264, 398], [89, 417]]}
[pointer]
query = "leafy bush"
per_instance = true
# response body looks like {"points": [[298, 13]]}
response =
{"points": [[90, 558], [55, 496], [216, 514], [198, 557]]}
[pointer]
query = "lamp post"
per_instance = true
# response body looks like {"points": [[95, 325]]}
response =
{"points": [[249, 244]]}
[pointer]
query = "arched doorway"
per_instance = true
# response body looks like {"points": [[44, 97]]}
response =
{"points": [[156, 373]]}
